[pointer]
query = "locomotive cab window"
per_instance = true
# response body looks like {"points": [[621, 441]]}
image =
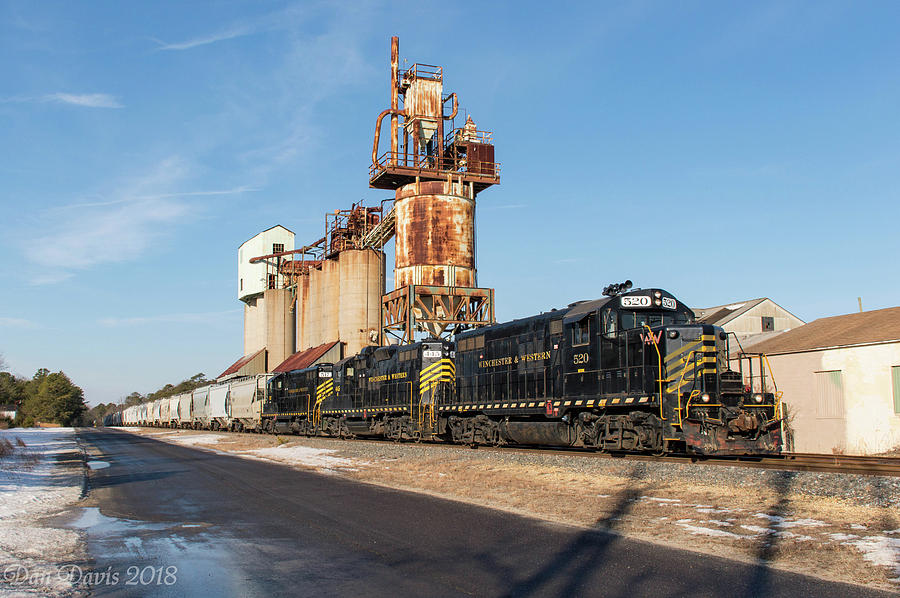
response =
{"points": [[610, 321], [581, 332]]}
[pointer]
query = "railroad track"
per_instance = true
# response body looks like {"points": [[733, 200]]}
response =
{"points": [[883, 466], [889, 466]]}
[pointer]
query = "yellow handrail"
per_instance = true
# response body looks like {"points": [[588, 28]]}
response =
{"points": [[778, 395], [687, 406], [681, 383], [659, 357]]}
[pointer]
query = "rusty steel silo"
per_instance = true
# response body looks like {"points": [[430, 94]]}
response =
{"points": [[435, 234]]}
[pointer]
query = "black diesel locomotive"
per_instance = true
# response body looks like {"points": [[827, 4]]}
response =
{"points": [[629, 372]]}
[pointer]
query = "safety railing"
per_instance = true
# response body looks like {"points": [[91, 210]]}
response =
{"points": [[463, 134], [447, 164], [423, 71]]}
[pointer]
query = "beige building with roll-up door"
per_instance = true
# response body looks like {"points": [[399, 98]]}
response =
{"points": [[841, 382]]}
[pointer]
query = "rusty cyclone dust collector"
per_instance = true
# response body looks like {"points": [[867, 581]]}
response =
{"points": [[436, 174]]}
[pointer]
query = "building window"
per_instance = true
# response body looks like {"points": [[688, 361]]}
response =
{"points": [[829, 394], [768, 323], [277, 247], [895, 373], [242, 284], [271, 281]]}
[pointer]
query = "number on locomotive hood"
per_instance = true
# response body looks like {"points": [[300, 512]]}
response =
{"points": [[431, 354], [636, 301], [669, 303]]}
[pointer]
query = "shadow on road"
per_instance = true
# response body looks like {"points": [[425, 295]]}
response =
{"points": [[760, 583], [570, 570]]}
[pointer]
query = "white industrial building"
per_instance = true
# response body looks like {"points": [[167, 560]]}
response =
{"points": [[269, 318], [841, 382], [254, 279]]}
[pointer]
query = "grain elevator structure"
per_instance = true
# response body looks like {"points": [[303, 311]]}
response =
{"points": [[327, 300], [435, 170]]}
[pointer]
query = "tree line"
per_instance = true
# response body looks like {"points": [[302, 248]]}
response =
{"points": [[48, 397], [51, 397]]}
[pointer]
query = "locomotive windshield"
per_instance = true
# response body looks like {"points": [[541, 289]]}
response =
{"points": [[637, 319]]}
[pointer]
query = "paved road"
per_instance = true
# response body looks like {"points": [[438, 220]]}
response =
{"points": [[240, 527]]}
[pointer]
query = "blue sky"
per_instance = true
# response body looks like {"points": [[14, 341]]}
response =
{"points": [[720, 150]]}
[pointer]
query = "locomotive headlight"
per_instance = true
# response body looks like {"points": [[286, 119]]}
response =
{"points": [[705, 398], [657, 294], [673, 334], [657, 302], [758, 398]]}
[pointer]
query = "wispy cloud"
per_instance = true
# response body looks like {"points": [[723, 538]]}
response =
{"points": [[112, 202], [192, 318], [16, 323], [86, 100], [50, 277], [315, 69], [145, 209], [231, 33]]}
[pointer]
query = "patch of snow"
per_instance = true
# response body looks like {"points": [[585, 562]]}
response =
{"points": [[684, 521], [705, 531], [308, 456], [735, 306], [858, 526], [784, 522], [893, 531], [30, 482], [661, 500], [33, 485], [130, 429], [880, 550], [720, 523], [765, 531], [599, 495], [192, 439], [97, 464], [712, 510]]}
